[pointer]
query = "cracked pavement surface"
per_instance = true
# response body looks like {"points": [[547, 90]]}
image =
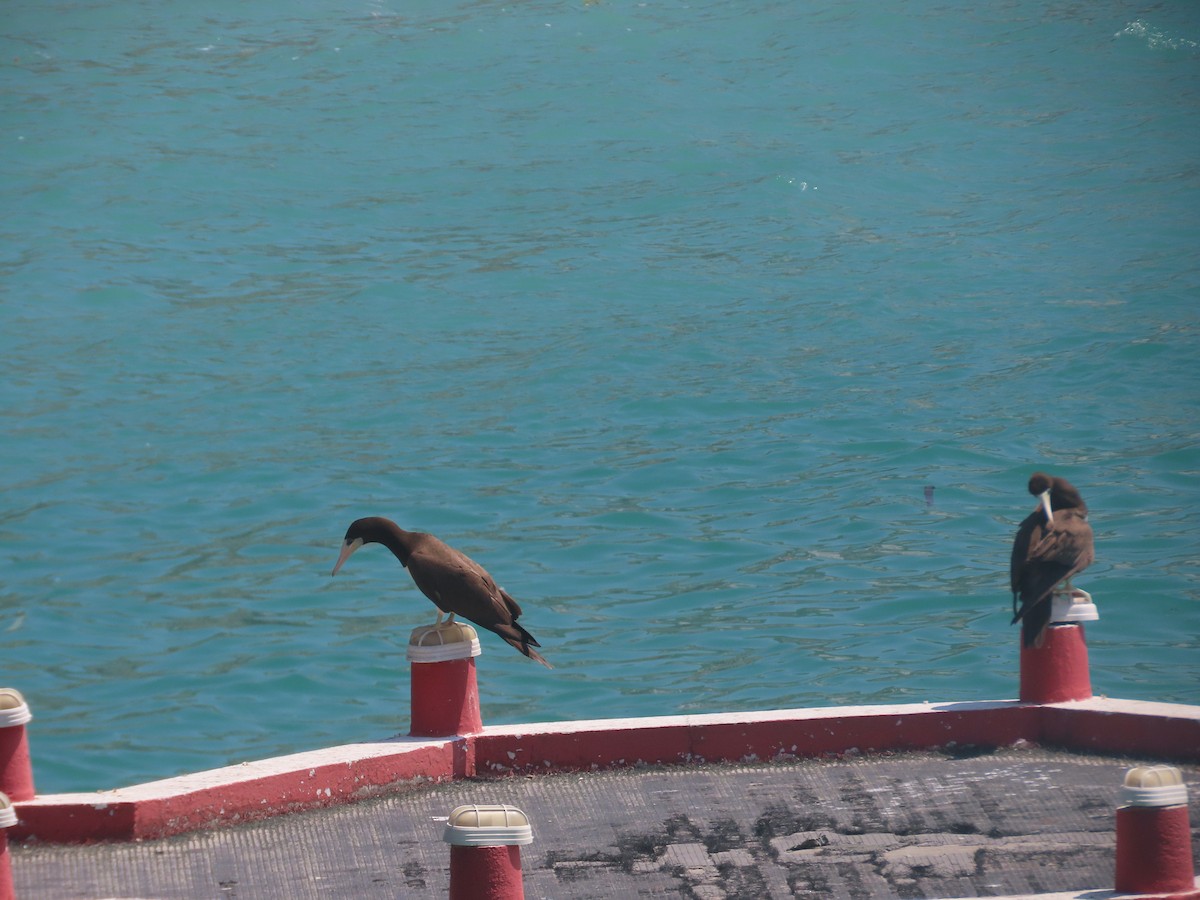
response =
{"points": [[919, 825]]}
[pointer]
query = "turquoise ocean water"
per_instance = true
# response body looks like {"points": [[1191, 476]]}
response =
{"points": [[667, 313]]}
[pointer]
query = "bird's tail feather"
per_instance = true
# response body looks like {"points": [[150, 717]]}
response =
{"points": [[531, 653], [518, 637]]}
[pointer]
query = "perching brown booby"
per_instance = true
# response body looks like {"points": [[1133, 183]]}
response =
{"points": [[452, 580], [1053, 544]]}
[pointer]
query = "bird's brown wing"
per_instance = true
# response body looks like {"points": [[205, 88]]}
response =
{"points": [[458, 584], [1043, 557], [1068, 543], [1029, 532]]}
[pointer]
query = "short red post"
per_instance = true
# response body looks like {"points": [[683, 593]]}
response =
{"points": [[485, 852], [1058, 670], [444, 692], [1154, 838], [8, 818], [16, 771]]}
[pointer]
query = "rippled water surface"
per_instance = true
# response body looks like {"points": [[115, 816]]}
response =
{"points": [[668, 314]]}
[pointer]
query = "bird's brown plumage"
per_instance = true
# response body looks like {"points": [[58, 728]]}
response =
{"points": [[451, 579], [1048, 551]]}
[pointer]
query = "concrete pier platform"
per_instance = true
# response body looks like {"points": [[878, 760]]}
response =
{"points": [[1017, 820]]}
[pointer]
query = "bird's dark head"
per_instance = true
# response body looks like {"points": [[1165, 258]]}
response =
{"points": [[1055, 493], [1039, 483], [371, 530]]}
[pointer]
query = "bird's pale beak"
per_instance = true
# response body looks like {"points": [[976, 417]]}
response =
{"points": [[347, 548], [1044, 497]]}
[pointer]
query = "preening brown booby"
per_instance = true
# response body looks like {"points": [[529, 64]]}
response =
{"points": [[452, 580], [1052, 544]]}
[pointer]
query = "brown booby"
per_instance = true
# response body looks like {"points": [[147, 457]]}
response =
{"points": [[452, 580], [1052, 544]]}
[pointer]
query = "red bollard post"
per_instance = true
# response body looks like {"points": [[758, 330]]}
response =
{"points": [[444, 691], [8, 818], [1058, 670], [485, 852], [1154, 838], [16, 771]]}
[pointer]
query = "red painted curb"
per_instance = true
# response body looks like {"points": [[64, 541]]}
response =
{"points": [[1159, 731], [237, 794], [778, 735], [343, 774]]}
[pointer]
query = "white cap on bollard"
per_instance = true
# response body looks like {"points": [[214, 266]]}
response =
{"points": [[13, 708], [487, 826], [1153, 786], [440, 643], [8, 815], [1072, 606]]}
